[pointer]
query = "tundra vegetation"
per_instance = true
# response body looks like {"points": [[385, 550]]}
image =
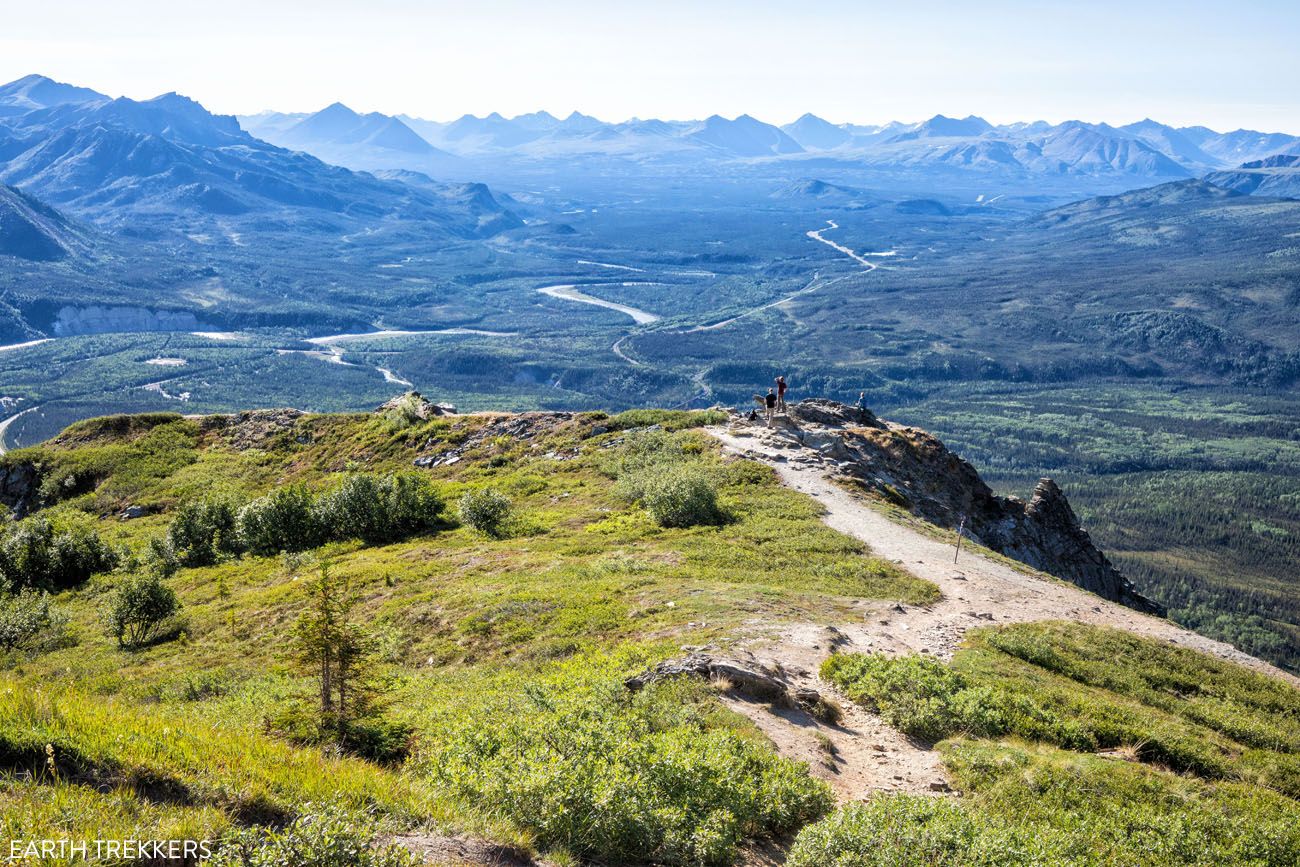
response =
{"points": [[364, 653], [303, 659]]}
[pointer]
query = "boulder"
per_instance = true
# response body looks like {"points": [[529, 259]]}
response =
{"points": [[415, 405], [750, 681], [20, 483]]}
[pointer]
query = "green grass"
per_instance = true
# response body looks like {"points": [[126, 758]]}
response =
{"points": [[585, 582], [1058, 683], [1121, 751], [86, 756], [1036, 806]]}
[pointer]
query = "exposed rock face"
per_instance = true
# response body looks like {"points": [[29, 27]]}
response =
{"points": [[20, 483], [95, 319], [916, 471]]}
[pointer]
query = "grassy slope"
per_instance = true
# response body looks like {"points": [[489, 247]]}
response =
{"points": [[1065, 757], [523, 641], [460, 616]]}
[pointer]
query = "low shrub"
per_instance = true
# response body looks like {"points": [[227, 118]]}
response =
{"points": [[646, 449], [891, 831], [915, 694], [322, 836], [680, 496], [283, 520], [38, 554], [379, 509], [30, 620], [137, 608], [204, 530], [665, 473], [486, 510], [662, 776]]}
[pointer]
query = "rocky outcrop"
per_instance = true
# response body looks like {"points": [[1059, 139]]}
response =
{"points": [[414, 405], [752, 681], [256, 428], [914, 470], [20, 483]]}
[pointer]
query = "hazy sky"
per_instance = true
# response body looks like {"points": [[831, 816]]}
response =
{"points": [[1222, 64]]}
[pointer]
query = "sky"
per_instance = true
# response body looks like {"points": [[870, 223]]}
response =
{"points": [[1225, 65]]}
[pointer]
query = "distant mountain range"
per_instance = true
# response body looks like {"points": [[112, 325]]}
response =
{"points": [[1146, 149], [1273, 176], [167, 164]]}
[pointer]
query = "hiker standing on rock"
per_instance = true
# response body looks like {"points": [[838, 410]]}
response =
{"points": [[770, 403], [780, 393]]}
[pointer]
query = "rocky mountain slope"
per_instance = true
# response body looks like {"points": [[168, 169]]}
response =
{"points": [[34, 231], [1278, 175]]}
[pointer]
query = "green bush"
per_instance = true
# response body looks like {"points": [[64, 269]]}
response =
{"points": [[379, 509], [486, 510], [680, 496], [891, 831], [204, 530], [374, 737], [659, 777], [283, 520], [35, 553], [642, 450], [29, 620], [665, 473], [137, 608], [324, 836], [915, 694]]}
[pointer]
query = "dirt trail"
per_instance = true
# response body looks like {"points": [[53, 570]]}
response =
{"points": [[978, 591]]}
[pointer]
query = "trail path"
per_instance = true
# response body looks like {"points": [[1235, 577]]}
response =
{"points": [[978, 591]]}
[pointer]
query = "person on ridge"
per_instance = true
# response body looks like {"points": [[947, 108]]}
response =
{"points": [[770, 403], [862, 401], [780, 393]]}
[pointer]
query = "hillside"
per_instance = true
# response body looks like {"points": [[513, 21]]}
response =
{"points": [[32, 231], [499, 578]]}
